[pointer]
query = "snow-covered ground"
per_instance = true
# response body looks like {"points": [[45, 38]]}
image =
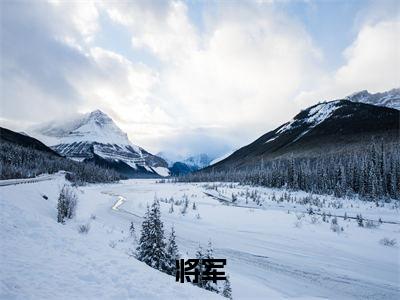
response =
{"points": [[273, 249], [42, 259]]}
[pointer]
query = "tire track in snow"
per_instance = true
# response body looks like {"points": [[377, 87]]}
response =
{"points": [[330, 284]]}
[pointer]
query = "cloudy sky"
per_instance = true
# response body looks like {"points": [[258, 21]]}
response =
{"points": [[191, 76]]}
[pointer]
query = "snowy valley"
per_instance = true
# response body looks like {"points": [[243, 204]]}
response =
{"points": [[199, 149], [279, 244], [310, 210]]}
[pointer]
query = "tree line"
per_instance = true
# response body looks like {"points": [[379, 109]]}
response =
{"points": [[372, 172], [23, 162]]}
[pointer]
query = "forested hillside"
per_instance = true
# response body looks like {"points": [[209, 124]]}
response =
{"points": [[371, 170], [29, 158]]}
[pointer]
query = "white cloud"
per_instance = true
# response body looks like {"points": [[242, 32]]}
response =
{"points": [[242, 71], [372, 62], [78, 19], [162, 28], [248, 69]]}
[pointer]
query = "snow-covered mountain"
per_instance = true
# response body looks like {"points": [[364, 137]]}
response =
{"points": [[194, 162], [198, 161], [95, 137], [180, 165], [323, 128], [388, 99], [170, 157]]}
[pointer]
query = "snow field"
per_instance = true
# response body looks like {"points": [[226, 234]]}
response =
{"points": [[273, 249], [42, 259]]}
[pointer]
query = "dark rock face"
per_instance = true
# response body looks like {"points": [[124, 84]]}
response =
{"points": [[23, 140]]}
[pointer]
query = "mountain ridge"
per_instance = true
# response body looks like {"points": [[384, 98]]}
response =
{"points": [[389, 98], [323, 127]]}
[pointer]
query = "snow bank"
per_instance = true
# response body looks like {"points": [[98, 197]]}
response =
{"points": [[42, 259]]}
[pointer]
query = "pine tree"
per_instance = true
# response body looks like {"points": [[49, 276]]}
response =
{"points": [[156, 238], [132, 230], [66, 204], [172, 253], [194, 206], [200, 256], [61, 209], [360, 220], [185, 205], [151, 249], [227, 290], [209, 285], [144, 247], [171, 209]]}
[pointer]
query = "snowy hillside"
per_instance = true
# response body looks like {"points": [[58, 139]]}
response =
{"points": [[388, 99], [43, 259], [315, 116], [95, 136]]}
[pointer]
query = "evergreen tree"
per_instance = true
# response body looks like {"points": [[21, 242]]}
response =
{"points": [[66, 204], [132, 230], [185, 205], [172, 253], [200, 256], [227, 290], [144, 247], [61, 209], [151, 249], [360, 220], [209, 285]]}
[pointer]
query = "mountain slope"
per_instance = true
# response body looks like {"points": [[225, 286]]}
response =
{"points": [[317, 130], [222, 157], [95, 137], [388, 99], [23, 140], [22, 156]]}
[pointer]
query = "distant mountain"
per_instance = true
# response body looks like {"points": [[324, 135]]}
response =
{"points": [[388, 99], [170, 157], [198, 161], [320, 129], [179, 165], [180, 168], [95, 137]]}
